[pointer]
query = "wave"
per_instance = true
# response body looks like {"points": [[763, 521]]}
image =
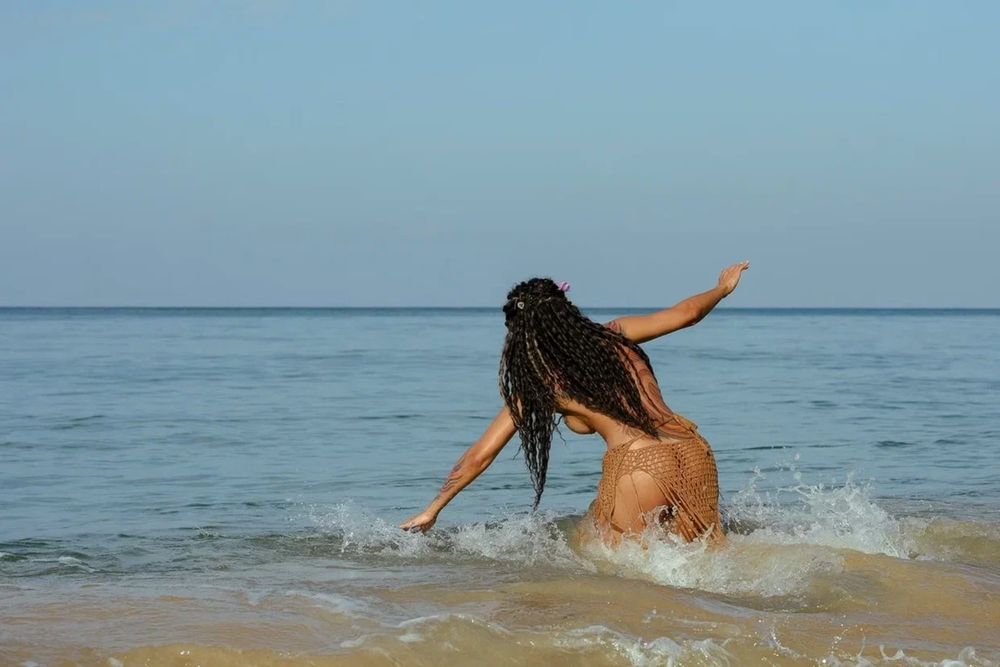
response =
{"points": [[791, 541], [451, 638], [542, 593], [526, 539]]}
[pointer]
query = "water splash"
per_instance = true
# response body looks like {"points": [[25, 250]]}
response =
{"points": [[844, 517], [523, 538], [781, 542]]}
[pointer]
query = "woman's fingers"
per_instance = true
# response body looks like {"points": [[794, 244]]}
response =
{"points": [[730, 276], [417, 525], [736, 269]]}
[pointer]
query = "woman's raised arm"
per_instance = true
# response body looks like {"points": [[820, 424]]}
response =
{"points": [[469, 466], [641, 328]]}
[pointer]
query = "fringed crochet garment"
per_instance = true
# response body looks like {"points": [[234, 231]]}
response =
{"points": [[680, 466]]}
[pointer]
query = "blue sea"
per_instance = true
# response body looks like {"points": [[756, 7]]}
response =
{"points": [[222, 487]]}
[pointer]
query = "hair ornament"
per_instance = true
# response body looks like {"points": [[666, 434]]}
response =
{"points": [[522, 302]]}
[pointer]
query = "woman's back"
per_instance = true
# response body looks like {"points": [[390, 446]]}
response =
{"points": [[674, 473], [581, 419]]}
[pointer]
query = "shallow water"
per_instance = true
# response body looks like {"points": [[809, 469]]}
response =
{"points": [[185, 487]]}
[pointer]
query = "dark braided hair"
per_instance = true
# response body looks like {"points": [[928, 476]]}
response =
{"points": [[553, 350]]}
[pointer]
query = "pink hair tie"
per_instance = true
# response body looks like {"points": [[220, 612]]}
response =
{"points": [[564, 286]]}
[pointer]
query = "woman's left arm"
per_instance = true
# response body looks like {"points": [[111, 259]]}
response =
{"points": [[469, 466], [642, 328]]}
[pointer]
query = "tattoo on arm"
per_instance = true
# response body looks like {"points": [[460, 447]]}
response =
{"points": [[453, 477]]}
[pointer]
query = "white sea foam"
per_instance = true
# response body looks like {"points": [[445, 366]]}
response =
{"points": [[739, 568], [792, 536], [783, 540], [361, 532], [660, 651], [451, 627], [523, 538], [528, 538], [966, 658], [843, 517]]}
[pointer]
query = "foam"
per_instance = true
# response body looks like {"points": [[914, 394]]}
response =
{"points": [[527, 539], [361, 532], [842, 517], [966, 658], [660, 651], [780, 541], [585, 642]]}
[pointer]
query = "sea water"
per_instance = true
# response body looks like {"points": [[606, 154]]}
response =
{"points": [[222, 487]]}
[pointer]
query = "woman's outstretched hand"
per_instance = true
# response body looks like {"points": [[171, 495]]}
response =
{"points": [[420, 523], [730, 276]]}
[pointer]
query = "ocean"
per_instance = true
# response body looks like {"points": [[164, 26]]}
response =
{"points": [[222, 487]]}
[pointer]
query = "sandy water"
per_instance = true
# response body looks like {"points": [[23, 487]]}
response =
{"points": [[220, 487]]}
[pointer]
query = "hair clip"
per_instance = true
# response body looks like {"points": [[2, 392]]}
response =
{"points": [[520, 305], [564, 286]]}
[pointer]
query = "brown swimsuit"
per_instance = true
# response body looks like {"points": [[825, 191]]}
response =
{"points": [[680, 465]]}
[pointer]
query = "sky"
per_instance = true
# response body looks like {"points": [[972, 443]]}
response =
{"points": [[435, 153]]}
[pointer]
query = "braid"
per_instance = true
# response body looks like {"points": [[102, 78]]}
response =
{"points": [[551, 350]]}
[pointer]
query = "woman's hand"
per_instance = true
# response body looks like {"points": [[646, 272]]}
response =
{"points": [[420, 523], [469, 466], [730, 277]]}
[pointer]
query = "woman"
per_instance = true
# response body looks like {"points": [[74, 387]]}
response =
{"points": [[657, 467]]}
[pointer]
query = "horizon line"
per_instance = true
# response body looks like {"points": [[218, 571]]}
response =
{"points": [[398, 307]]}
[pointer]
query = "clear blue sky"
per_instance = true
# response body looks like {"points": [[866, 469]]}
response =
{"points": [[431, 153]]}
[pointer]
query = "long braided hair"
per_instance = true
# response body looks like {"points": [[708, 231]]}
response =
{"points": [[553, 350]]}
